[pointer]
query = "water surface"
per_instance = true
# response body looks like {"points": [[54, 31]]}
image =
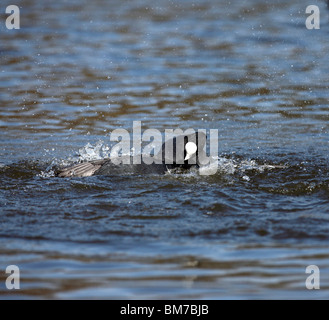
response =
{"points": [[77, 70]]}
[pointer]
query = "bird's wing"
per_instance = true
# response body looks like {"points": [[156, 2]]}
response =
{"points": [[85, 169]]}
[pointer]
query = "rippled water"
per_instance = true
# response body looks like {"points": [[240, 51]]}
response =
{"points": [[77, 70]]}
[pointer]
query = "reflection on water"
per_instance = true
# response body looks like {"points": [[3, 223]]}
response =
{"points": [[106, 271], [77, 70]]}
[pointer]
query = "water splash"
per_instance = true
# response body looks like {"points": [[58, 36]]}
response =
{"points": [[94, 152], [232, 166]]}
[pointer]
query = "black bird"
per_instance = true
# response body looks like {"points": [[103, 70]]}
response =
{"points": [[182, 152]]}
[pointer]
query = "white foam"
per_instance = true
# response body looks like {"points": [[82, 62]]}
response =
{"points": [[233, 166], [46, 174], [94, 152]]}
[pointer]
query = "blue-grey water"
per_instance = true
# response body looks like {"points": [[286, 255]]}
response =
{"points": [[77, 70]]}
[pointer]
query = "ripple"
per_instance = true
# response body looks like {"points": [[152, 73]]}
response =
{"points": [[250, 70]]}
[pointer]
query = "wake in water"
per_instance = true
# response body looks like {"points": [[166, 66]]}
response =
{"points": [[291, 176], [181, 152], [226, 165]]}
